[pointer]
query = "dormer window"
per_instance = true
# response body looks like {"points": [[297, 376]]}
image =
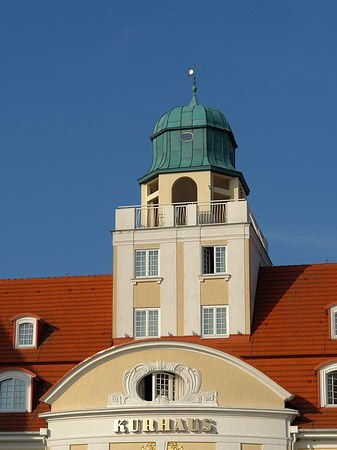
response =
{"points": [[25, 332], [333, 322], [328, 384], [27, 329]]}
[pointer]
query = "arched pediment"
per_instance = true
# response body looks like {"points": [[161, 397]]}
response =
{"points": [[112, 372]]}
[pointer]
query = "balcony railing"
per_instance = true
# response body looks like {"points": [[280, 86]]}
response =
{"points": [[187, 214], [184, 214], [150, 217]]}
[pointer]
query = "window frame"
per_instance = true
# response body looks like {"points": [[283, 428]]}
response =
{"points": [[214, 273], [214, 308], [147, 310], [324, 372], [21, 376], [18, 323], [147, 264], [333, 323], [171, 385]]}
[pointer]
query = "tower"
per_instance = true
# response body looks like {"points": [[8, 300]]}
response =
{"points": [[186, 260]]}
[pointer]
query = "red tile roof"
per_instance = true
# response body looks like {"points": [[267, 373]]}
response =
{"points": [[77, 312], [290, 333]]}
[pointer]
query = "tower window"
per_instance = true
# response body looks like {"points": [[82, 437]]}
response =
{"points": [[146, 323], [214, 321], [214, 259], [147, 263]]}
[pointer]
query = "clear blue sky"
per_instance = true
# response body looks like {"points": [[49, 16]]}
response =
{"points": [[83, 82]]}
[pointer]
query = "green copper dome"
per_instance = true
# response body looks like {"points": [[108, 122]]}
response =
{"points": [[193, 138], [191, 116]]}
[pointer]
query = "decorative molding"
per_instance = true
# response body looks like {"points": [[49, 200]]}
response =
{"points": [[191, 377], [159, 280], [211, 276]]}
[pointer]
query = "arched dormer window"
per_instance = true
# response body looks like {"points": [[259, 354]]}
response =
{"points": [[16, 391], [333, 322], [328, 384], [27, 329]]}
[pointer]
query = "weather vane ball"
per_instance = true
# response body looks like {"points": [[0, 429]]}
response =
{"points": [[191, 72]]}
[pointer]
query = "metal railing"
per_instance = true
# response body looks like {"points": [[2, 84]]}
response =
{"points": [[204, 213], [211, 212], [257, 229], [180, 215], [150, 217]]}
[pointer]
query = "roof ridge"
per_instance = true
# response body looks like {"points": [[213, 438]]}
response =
{"points": [[57, 277]]}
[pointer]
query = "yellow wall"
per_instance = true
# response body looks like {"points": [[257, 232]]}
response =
{"points": [[127, 446], [184, 445], [251, 447], [234, 386], [202, 180], [146, 294], [79, 447], [197, 445], [214, 292]]}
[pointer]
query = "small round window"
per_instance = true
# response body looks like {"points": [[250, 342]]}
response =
{"points": [[186, 137]]}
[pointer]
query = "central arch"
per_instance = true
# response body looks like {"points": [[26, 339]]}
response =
{"points": [[184, 190]]}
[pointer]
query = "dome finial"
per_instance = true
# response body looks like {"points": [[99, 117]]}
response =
{"points": [[192, 72]]}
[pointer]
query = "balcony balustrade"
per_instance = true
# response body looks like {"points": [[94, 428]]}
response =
{"points": [[187, 214]]}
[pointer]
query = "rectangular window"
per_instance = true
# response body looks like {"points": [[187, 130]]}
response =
{"points": [[214, 260], [147, 263], [146, 323], [214, 321]]}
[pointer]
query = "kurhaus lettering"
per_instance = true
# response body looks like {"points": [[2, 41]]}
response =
{"points": [[162, 425]]}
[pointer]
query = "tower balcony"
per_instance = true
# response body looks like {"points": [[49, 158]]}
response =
{"points": [[215, 212]]}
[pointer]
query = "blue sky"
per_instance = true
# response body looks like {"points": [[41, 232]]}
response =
{"points": [[83, 82]]}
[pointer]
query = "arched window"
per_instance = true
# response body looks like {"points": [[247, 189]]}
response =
{"points": [[184, 190], [333, 322], [161, 384], [26, 332], [15, 391], [331, 380]]}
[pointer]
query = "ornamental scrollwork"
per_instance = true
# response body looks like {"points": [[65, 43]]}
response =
{"points": [[191, 378]]}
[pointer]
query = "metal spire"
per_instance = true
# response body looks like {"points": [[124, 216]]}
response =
{"points": [[192, 73]]}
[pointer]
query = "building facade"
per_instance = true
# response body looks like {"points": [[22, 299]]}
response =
{"points": [[198, 342]]}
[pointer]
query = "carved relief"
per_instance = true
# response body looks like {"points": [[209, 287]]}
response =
{"points": [[148, 446], [191, 377], [174, 446]]}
